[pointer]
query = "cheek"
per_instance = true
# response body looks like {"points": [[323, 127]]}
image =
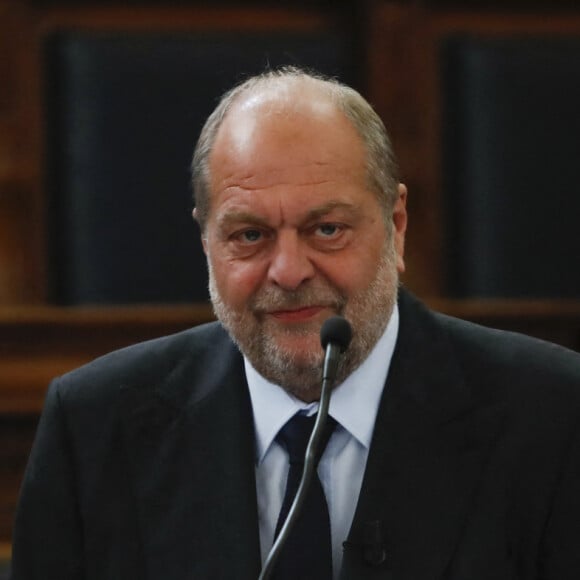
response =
{"points": [[353, 271], [345, 274], [236, 281]]}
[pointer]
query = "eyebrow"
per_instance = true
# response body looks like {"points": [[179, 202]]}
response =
{"points": [[314, 214], [241, 216], [329, 207]]}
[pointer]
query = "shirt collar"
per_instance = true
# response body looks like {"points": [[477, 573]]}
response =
{"points": [[354, 403]]}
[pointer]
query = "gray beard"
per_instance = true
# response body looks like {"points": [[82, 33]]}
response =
{"points": [[368, 312]]}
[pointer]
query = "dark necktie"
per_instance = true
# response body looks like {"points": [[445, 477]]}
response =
{"points": [[307, 553]]}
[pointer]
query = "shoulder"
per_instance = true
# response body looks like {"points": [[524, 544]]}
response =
{"points": [[501, 363], [533, 377], [511, 353], [145, 365]]}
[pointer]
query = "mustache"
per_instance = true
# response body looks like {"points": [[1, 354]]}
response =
{"points": [[272, 298]]}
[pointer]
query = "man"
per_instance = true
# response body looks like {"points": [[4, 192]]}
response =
{"points": [[456, 449]]}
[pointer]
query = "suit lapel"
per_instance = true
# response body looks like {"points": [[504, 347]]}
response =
{"points": [[190, 445], [429, 449]]}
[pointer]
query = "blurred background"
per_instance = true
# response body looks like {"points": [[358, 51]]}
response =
{"points": [[101, 103]]}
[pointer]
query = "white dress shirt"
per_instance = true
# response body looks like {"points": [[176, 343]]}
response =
{"points": [[354, 405]]}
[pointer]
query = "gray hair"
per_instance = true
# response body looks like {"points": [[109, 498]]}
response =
{"points": [[381, 169]]}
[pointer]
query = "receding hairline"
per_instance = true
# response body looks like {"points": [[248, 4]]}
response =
{"points": [[291, 90], [295, 100], [288, 91]]}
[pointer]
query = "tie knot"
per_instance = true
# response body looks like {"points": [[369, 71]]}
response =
{"points": [[295, 434]]}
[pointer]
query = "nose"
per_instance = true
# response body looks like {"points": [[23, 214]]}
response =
{"points": [[290, 265]]}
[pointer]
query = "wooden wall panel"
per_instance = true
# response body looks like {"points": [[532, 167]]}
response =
{"points": [[402, 87], [22, 277], [405, 86]]}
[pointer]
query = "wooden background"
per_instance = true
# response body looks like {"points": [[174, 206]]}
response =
{"points": [[396, 47]]}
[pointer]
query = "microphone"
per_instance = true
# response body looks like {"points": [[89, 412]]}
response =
{"points": [[335, 336]]}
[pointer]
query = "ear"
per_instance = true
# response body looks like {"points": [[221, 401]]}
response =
{"points": [[400, 226], [203, 238]]}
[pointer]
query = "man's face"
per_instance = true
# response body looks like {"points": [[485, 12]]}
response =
{"points": [[294, 236]]}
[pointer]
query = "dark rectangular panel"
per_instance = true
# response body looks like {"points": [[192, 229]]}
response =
{"points": [[512, 166]]}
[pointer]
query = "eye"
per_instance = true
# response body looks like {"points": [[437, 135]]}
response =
{"points": [[251, 235], [327, 230], [330, 236]]}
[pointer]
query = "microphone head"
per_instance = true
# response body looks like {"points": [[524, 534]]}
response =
{"points": [[336, 330]]}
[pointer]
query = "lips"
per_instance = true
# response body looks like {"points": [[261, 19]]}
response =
{"points": [[297, 314]]}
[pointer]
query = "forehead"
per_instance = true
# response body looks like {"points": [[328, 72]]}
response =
{"points": [[270, 138]]}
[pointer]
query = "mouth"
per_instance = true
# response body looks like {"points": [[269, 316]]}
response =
{"points": [[302, 314]]}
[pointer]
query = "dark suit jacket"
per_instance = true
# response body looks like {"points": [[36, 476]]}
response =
{"points": [[143, 465]]}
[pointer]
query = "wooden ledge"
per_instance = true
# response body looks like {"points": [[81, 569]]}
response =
{"points": [[41, 342]]}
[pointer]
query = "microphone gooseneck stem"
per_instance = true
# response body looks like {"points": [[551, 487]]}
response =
{"points": [[331, 360]]}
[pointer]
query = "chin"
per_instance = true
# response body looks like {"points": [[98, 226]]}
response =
{"points": [[301, 350]]}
